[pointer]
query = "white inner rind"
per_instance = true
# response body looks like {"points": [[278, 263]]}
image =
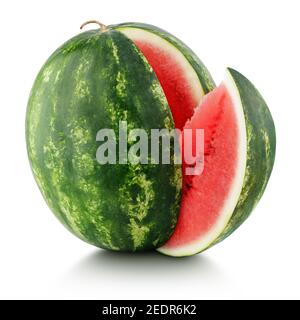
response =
{"points": [[136, 34], [234, 193]]}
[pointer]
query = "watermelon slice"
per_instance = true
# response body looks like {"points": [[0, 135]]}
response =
{"points": [[239, 152], [209, 199]]}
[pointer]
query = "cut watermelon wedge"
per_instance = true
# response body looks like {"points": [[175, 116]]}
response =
{"points": [[239, 153]]}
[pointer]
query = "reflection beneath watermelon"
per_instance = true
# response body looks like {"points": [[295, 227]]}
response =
{"points": [[116, 272]]}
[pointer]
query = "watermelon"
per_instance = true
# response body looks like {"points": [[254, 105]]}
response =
{"points": [[94, 81], [239, 152]]}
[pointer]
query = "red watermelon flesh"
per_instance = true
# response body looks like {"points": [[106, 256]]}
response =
{"points": [[204, 195], [177, 77], [208, 199], [173, 80]]}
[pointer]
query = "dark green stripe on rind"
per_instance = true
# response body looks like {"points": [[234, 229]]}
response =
{"points": [[204, 76], [261, 146], [91, 82]]}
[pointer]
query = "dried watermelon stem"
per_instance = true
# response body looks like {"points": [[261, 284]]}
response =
{"points": [[102, 26]]}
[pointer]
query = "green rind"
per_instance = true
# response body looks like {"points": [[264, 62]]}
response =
{"points": [[261, 147], [91, 82], [204, 76]]}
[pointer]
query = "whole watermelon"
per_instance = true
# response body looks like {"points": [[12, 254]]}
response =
{"points": [[94, 81]]}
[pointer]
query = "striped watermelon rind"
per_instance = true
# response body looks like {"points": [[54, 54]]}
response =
{"points": [[261, 149], [90, 83]]}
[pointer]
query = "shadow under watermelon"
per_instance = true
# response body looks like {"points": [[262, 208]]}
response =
{"points": [[122, 275]]}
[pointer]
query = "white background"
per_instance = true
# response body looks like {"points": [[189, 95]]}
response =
{"points": [[40, 259]]}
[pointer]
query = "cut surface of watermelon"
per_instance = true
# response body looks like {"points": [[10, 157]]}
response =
{"points": [[176, 75]]}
